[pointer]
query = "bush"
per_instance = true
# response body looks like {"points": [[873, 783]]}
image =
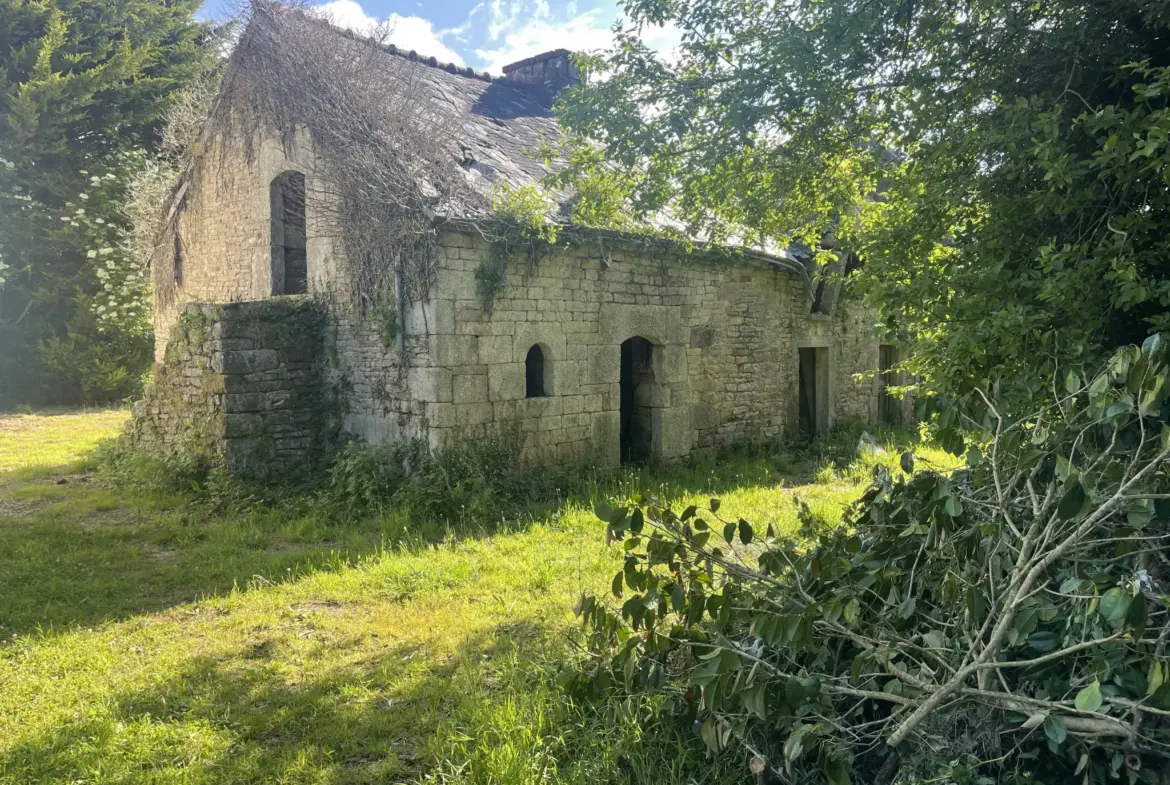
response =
{"points": [[163, 472], [472, 481], [1006, 622]]}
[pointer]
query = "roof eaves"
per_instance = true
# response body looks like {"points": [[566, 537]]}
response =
{"points": [[777, 262]]}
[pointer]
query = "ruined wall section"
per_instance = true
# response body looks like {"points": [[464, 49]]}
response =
{"points": [[243, 386], [222, 229]]}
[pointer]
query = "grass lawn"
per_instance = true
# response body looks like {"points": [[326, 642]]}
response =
{"points": [[40, 443], [145, 638]]}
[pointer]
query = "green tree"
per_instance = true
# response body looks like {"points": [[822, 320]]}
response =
{"points": [[83, 85], [1021, 151]]}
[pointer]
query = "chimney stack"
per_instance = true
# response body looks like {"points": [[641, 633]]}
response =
{"points": [[549, 73]]}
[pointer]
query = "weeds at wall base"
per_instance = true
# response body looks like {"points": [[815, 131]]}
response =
{"points": [[476, 483]]}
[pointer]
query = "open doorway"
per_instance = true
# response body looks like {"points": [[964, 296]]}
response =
{"points": [[637, 413], [813, 391], [889, 407]]}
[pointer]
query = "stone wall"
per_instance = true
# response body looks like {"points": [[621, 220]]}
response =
{"points": [[725, 341], [244, 386], [222, 229]]}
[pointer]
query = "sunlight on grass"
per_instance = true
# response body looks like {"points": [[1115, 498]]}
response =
{"points": [[145, 638], [35, 442]]}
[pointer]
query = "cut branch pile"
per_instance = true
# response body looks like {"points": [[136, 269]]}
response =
{"points": [[1007, 621]]}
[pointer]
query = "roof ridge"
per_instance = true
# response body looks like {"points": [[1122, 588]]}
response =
{"points": [[431, 61]]}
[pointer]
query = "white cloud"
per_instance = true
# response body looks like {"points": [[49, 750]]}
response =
{"points": [[405, 32], [460, 33], [542, 31]]}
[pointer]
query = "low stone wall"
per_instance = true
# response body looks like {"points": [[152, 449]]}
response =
{"points": [[244, 386]]}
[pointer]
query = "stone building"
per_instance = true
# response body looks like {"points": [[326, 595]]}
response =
{"points": [[606, 349]]}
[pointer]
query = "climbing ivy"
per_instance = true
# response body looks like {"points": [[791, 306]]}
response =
{"points": [[519, 224]]}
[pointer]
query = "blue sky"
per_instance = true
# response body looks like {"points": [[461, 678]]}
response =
{"points": [[485, 34]]}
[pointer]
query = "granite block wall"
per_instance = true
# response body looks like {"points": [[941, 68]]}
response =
{"points": [[217, 247], [244, 386], [725, 346]]}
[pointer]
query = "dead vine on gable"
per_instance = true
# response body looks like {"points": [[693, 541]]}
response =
{"points": [[383, 149]]}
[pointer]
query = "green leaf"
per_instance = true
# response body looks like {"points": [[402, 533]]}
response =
{"points": [[729, 661], [1154, 346], [1161, 697], [1035, 721], [1156, 677], [729, 532], [603, 511], [617, 585], [1055, 729], [794, 694], [1136, 616], [954, 506], [1114, 605], [714, 505], [803, 737], [1043, 641], [1073, 503], [1089, 698], [707, 673], [811, 686], [745, 532], [1139, 513], [837, 771], [906, 609]]}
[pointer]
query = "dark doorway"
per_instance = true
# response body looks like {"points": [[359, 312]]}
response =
{"points": [[889, 410], [290, 270], [808, 392], [813, 390], [637, 414]]}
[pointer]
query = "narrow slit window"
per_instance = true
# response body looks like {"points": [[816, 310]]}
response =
{"points": [[290, 274], [534, 381], [180, 258]]}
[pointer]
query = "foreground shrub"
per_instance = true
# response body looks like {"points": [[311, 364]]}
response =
{"points": [[1006, 622]]}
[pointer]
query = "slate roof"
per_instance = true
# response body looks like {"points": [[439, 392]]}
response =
{"points": [[504, 125]]}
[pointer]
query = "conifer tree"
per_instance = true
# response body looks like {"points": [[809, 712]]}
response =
{"points": [[84, 87]]}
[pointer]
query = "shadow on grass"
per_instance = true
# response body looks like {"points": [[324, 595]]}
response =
{"points": [[84, 552], [487, 713], [76, 552]]}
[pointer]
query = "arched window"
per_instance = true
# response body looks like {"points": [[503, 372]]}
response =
{"points": [[534, 376], [290, 272]]}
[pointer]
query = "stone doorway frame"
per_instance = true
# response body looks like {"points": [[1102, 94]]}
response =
{"points": [[662, 326]]}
